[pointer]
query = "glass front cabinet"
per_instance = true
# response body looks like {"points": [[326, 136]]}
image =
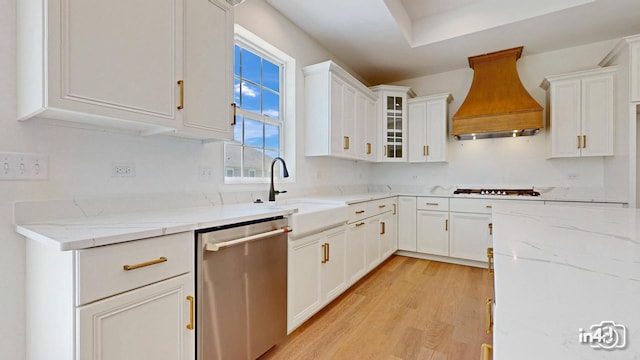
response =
{"points": [[392, 105]]}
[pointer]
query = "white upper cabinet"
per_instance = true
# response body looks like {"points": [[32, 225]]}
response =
{"points": [[392, 119], [428, 128], [338, 112], [635, 69], [580, 113], [122, 64], [208, 70]]}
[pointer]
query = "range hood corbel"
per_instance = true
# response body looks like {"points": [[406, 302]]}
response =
{"points": [[497, 104]]}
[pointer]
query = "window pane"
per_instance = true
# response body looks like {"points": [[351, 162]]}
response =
{"points": [[237, 130], [253, 133], [270, 75], [236, 58], [232, 161], [272, 136], [252, 162], [271, 104], [250, 66], [250, 98], [236, 91]]}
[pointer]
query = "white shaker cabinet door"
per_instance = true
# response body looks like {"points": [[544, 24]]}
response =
{"points": [[303, 295], [147, 323], [433, 232], [407, 223], [356, 266], [471, 235], [566, 118], [208, 78], [97, 60], [333, 271], [597, 116]]}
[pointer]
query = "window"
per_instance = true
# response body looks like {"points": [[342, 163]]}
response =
{"points": [[261, 122]]}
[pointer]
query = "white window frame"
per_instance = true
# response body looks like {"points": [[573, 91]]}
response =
{"points": [[252, 42]]}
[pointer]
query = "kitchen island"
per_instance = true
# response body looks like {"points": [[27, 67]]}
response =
{"points": [[567, 283]]}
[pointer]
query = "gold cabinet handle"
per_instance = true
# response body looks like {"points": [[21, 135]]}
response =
{"points": [[490, 228], [489, 316], [359, 212], [433, 204], [490, 260], [360, 224], [368, 148], [384, 151], [584, 141], [425, 150], [446, 225], [328, 251], [382, 228], [148, 263], [579, 142], [181, 84], [235, 108], [324, 253], [486, 351], [489, 207], [394, 209], [346, 143], [190, 299], [382, 206]]}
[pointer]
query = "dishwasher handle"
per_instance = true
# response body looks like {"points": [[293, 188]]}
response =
{"points": [[226, 244]]}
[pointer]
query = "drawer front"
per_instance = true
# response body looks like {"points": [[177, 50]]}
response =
{"points": [[367, 209], [359, 211], [382, 206], [483, 206], [432, 203], [100, 271]]}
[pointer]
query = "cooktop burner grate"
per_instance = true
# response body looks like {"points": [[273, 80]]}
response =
{"points": [[498, 192]]}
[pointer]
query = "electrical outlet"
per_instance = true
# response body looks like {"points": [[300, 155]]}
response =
{"points": [[123, 170], [205, 173]]}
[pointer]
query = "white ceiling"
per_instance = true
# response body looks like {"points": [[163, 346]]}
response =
{"points": [[391, 40]]}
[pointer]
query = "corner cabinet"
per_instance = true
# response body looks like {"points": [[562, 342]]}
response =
{"points": [[392, 120], [581, 113], [340, 112], [133, 300], [93, 62], [427, 128]]}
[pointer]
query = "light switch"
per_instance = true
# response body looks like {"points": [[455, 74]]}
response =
{"points": [[19, 166]]}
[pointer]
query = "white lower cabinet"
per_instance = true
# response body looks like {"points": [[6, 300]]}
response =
{"points": [[356, 264], [407, 223], [433, 234], [470, 236], [372, 242], [388, 234], [146, 323], [133, 300], [316, 273]]}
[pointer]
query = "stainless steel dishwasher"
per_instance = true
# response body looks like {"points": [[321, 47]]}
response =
{"points": [[241, 283]]}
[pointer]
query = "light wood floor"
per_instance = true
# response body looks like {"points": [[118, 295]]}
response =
{"points": [[405, 309]]}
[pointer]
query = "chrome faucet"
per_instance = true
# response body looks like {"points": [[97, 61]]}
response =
{"points": [[273, 192]]}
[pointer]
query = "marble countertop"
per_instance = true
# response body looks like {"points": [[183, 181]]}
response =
{"points": [[97, 230], [559, 273]]}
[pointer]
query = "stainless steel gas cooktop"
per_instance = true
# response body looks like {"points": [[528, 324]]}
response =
{"points": [[498, 192]]}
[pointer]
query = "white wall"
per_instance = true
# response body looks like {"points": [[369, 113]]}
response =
{"points": [[514, 161], [80, 159]]}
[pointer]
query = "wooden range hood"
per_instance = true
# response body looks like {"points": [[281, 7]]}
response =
{"points": [[497, 104]]}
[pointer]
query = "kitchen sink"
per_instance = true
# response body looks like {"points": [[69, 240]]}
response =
{"points": [[313, 215]]}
